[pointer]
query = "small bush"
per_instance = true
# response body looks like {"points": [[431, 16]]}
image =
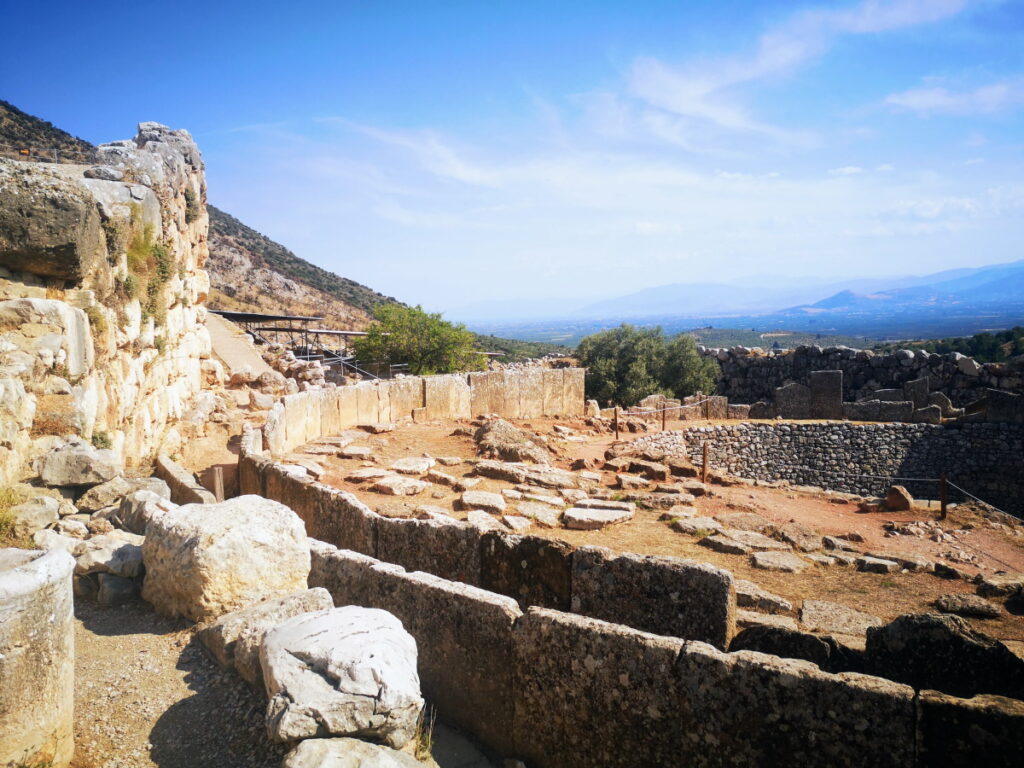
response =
{"points": [[191, 205], [160, 342], [102, 440], [97, 319]]}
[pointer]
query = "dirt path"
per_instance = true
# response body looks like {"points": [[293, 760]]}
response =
{"points": [[147, 694]]}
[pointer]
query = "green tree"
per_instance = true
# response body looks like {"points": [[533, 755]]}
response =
{"points": [[626, 364], [425, 341], [686, 372]]}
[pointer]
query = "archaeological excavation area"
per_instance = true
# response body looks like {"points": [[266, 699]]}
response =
{"points": [[218, 558]]}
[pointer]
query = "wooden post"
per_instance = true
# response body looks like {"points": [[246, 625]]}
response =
{"points": [[943, 495], [615, 421], [707, 409], [664, 417], [704, 468], [218, 482]]}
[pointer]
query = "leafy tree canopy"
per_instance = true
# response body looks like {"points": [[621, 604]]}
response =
{"points": [[626, 364], [425, 341]]}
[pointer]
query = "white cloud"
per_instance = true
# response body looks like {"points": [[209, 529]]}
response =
{"points": [[704, 90], [885, 168], [847, 170], [986, 99]]}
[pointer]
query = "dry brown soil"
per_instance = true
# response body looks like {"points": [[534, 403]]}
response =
{"points": [[883, 595]]}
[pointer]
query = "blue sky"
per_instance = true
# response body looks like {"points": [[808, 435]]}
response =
{"points": [[448, 153]]}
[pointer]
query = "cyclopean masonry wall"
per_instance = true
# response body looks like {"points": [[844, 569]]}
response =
{"points": [[37, 650], [986, 459], [749, 375], [102, 328], [525, 394], [667, 595], [566, 691]]}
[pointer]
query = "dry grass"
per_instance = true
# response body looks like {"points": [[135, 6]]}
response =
{"points": [[8, 538]]}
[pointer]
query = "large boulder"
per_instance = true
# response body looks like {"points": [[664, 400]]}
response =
{"points": [[49, 225], [34, 515], [204, 560], [139, 507], [77, 463], [939, 651], [346, 671], [235, 638], [497, 439], [346, 753]]}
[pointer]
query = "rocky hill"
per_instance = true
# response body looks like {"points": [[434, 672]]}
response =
{"points": [[248, 271]]}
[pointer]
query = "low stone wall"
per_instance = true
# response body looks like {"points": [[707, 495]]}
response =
{"points": [[750, 375], [517, 394], [37, 658], [565, 691], [985, 459], [665, 595]]}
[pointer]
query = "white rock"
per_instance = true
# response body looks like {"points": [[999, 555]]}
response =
{"points": [[396, 485], [485, 500], [346, 671], [34, 515], [109, 554], [346, 753], [235, 638], [583, 519], [483, 521], [203, 560], [112, 491], [413, 465], [138, 508], [77, 463]]}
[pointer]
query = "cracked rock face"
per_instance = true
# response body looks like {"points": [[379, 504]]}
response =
{"points": [[346, 671]]}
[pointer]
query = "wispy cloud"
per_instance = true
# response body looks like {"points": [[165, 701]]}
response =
{"points": [[983, 100], [846, 170], [704, 90]]}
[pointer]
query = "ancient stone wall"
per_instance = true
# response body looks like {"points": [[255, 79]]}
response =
{"points": [[514, 394], [102, 328], [986, 459], [564, 691], [666, 595], [750, 375], [37, 653]]}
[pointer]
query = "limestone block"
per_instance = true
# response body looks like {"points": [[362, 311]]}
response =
{"points": [[917, 391], [553, 382], [347, 407], [533, 570], [982, 730], [405, 395], [76, 463], [448, 549], [573, 398], [346, 753], [36, 658], [664, 595], [347, 671], [235, 638], [70, 324], [484, 396], [749, 708], [49, 225], [447, 397], [826, 394], [367, 403], [203, 560], [583, 670], [531, 393], [34, 515], [793, 401]]}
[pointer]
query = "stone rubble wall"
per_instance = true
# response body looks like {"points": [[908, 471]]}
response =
{"points": [[666, 595], [749, 375], [566, 691], [102, 323], [986, 459], [516, 394], [37, 658]]}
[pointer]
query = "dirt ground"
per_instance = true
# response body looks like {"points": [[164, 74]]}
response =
{"points": [[147, 694], [883, 595]]}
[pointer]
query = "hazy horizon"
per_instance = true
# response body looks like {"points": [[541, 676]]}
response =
{"points": [[459, 154]]}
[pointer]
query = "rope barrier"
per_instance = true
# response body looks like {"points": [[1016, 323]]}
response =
{"points": [[647, 412]]}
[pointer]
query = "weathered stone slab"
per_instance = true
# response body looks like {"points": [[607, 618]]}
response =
{"points": [[573, 398], [234, 639], [585, 670], [552, 381], [785, 562], [368, 409], [532, 570], [450, 550], [396, 485], [447, 397], [823, 616], [983, 730], [585, 519], [748, 708], [346, 753], [664, 595], [749, 595], [793, 401], [531, 393], [826, 394]]}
